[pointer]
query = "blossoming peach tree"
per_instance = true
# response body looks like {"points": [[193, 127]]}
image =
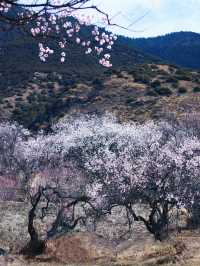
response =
{"points": [[156, 165], [62, 21], [96, 163]]}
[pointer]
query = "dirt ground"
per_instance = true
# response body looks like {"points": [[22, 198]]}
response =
{"points": [[138, 250]]}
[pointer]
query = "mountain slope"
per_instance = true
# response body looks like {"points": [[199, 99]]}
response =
{"points": [[138, 87], [19, 53], [147, 91], [181, 48]]}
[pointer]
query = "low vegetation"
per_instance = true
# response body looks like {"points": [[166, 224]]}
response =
{"points": [[141, 93]]}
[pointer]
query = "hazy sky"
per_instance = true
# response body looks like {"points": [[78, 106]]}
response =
{"points": [[153, 17]]}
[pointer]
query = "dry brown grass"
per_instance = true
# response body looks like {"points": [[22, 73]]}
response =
{"points": [[165, 68], [179, 252], [119, 92], [139, 250]]}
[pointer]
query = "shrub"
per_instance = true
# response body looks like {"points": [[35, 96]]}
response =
{"points": [[132, 72], [183, 76], [171, 80], [142, 78], [196, 89], [163, 91], [109, 72], [19, 99], [156, 83], [186, 78], [154, 67], [130, 100], [135, 104], [161, 72], [97, 82], [151, 92], [9, 105], [175, 85], [182, 90], [120, 75]]}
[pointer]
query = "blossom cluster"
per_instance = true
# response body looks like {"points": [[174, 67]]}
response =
{"points": [[98, 42], [44, 52], [4, 6], [117, 159], [122, 158], [65, 24], [108, 163]]}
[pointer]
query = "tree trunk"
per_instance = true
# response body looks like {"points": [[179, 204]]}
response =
{"points": [[35, 245], [158, 227]]}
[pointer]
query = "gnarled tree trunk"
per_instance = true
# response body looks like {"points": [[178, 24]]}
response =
{"points": [[35, 245]]}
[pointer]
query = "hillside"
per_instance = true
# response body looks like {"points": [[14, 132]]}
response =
{"points": [[138, 86], [181, 48], [35, 93], [147, 91], [19, 53]]}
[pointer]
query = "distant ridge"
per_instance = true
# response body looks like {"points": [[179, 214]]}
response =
{"points": [[181, 48], [19, 53]]}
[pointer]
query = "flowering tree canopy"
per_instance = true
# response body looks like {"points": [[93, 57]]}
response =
{"points": [[155, 163], [100, 163], [62, 21]]}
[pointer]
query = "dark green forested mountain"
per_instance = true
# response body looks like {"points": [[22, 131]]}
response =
{"points": [[181, 48]]}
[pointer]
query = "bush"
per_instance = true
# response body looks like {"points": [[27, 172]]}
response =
{"points": [[109, 72], [156, 83], [145, 80], [175, 85], [154, 67], [183, 77], [129, 100], [151, 92], [182, 90], [142, 78], [171, 80], [135, 104], [9, 105], [183, 74], [196, 89], [186, 78], [163, 91], [161, 72], [132, 72], [120, 75], [19, 99], [97, 83]]}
